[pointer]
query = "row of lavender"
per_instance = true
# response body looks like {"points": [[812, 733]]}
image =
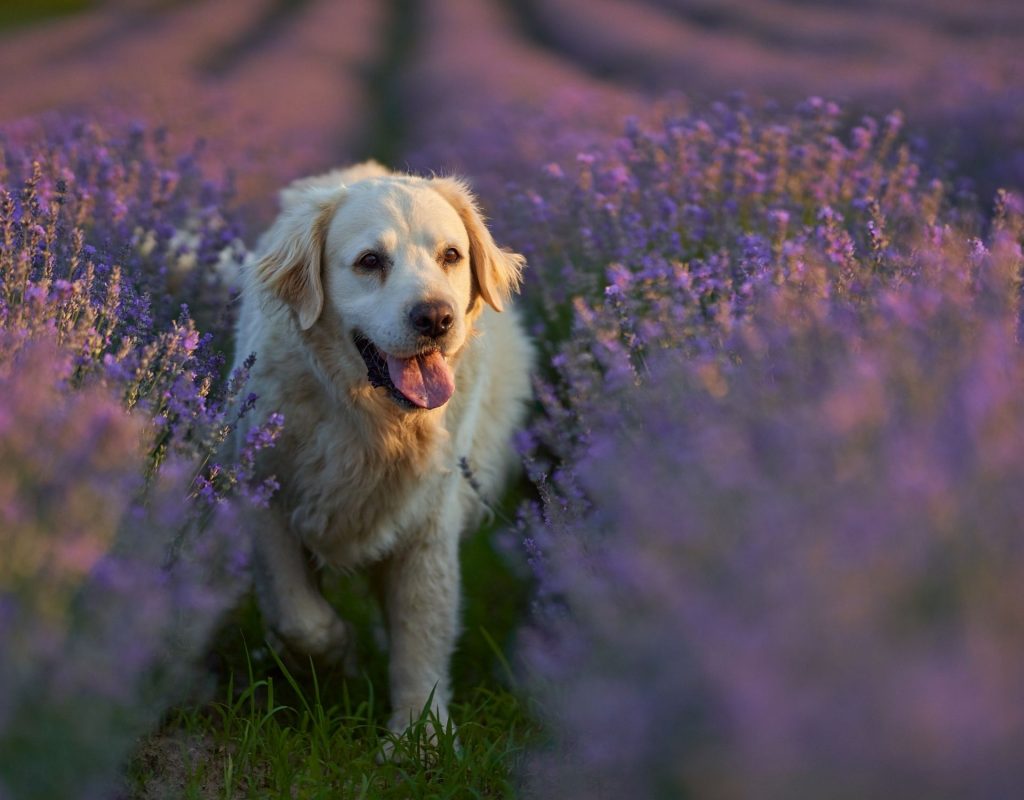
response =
{"points": [[955, 70], [117, 525], [777, 539]]}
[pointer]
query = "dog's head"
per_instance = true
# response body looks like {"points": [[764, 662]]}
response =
{"points": [[401, 263]]}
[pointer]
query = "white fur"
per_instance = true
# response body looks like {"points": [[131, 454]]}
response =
{"points": [[364, 481]]}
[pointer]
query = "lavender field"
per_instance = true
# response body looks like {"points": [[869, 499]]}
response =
{"points": [[768, 539]]}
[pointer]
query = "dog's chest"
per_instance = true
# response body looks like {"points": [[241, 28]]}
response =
{"points": [[353, 494]]}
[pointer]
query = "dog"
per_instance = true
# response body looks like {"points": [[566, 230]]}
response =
{"points": [[372, 306]]}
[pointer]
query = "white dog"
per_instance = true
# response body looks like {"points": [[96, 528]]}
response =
{"points": [[372, 310]]}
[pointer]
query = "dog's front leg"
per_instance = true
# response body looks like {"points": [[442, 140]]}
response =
{"points": [[293, 608], [422, 601]]}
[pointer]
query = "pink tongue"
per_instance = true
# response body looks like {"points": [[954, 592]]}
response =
{"points": [[425, 380]]}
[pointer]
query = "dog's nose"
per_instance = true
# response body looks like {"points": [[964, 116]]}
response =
{"points": [[432, 318]]}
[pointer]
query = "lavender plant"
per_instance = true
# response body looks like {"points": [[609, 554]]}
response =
{"points": [[109, 587], [125, 254], [776, 541], [117, 521], [665, 238]]}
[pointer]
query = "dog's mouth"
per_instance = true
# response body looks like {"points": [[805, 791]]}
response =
{"points": [[424, 380]]}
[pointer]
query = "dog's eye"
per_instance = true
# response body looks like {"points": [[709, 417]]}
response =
{"points": [[451, 255], [371, 261]]}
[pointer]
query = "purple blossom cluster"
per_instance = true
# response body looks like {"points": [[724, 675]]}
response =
{"points": [[125, 255], [778, 466], [109, 588], [117, 519], [665, 237]]}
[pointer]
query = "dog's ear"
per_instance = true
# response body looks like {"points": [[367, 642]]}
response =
{"points": [[292, 250], [498, 272]]}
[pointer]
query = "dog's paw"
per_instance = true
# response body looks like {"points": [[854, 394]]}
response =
{"points": [[331, 644]]}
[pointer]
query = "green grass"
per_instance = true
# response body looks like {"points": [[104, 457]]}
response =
{"points": [[269, 733], [18, 13]]}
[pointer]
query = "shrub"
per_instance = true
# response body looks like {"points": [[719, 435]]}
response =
{"points": [[117, 522], [776, 541]]}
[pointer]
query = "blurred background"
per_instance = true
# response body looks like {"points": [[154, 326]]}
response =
{"points": [[279, 88]]}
